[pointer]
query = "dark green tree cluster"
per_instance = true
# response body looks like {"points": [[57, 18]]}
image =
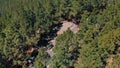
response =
{"points": [[98, 36], [66, 51], [22, 22]]}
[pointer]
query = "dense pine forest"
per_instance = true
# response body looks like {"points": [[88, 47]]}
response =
{"points": [[29, 23]]}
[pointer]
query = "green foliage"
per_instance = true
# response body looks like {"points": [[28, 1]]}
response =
{"points": [[65, 51], [97, 39], [41, 59]]}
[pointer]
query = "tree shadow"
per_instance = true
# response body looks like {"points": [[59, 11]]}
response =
{"points": [[45, 38], [5, 63]]}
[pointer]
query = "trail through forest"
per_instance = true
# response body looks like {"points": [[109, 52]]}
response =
{"points": [[49, 39]]}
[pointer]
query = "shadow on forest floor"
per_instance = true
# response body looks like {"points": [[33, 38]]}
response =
{"points": [[45, 38]]}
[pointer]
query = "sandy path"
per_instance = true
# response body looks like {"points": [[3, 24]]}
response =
{"points": [[64, 27]]}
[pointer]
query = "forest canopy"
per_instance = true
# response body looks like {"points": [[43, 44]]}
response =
{"points": [[26, 22]]}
